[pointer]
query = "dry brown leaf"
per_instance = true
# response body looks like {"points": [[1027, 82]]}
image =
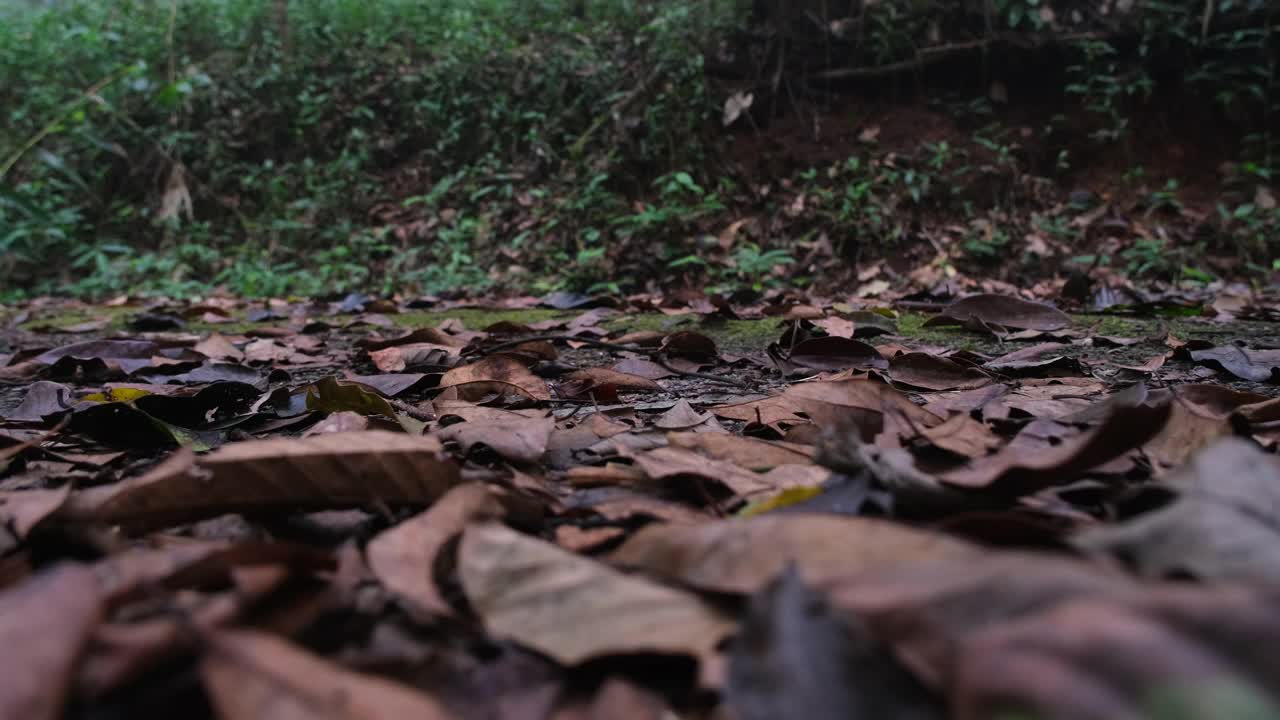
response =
{"points": [[930, 372], [325, 471], [521, 441], [45, 626], [1021, 470], [745, 452], [573, 608], [496, 373], [403, 556], [666, 463], [1173, 651], [743, 555], [252, 675]]}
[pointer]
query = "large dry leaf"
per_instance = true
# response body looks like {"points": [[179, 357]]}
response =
{"points": [[45, 626], [1225, 523], [574, 609], [926, 609], [323, 471], [1002, 311], [821, 400], [767, 411], [745, 452], [404, 556], [742, 555], [255, 676], [666, 463], [1199, 415], [496, 373], [1171, 652], [521, 441]]}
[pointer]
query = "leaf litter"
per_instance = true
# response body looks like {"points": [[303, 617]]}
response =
{"points": [[315, 514]]}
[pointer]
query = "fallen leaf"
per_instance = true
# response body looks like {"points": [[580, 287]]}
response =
{"points": [[742, 555], [46, 622], [1172, 651], [403, 557], [681, 416], [749, 453], [1224, 524], [521, 441], [795, 657], [326, 471], [574, 609], [1022, 470], [930, 372], [1252, 365], [834, 353], [252, 675], [496, 373], [1003, 311], [42, 398]]}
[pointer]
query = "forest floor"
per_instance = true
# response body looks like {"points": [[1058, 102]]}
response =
{"points": [[767, 506]]}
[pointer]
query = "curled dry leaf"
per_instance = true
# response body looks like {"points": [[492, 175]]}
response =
{"points": [[404, 556], [667, 463], [1022, 470], [324, 471], [45, 626], [573, 608], [252, 675], [743, 555]]}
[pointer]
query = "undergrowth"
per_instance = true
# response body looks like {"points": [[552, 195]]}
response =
{"points": [[151, 146]]}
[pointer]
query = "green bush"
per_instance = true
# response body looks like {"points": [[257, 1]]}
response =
{"points": [[295, 153]]}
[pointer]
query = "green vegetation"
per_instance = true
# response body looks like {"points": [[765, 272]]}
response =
{"points": [[277, 148]]}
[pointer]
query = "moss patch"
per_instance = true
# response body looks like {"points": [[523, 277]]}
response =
{"points": [[474, 318]]}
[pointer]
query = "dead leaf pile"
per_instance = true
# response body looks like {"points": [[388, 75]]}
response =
{"points": [[323, 511]]}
